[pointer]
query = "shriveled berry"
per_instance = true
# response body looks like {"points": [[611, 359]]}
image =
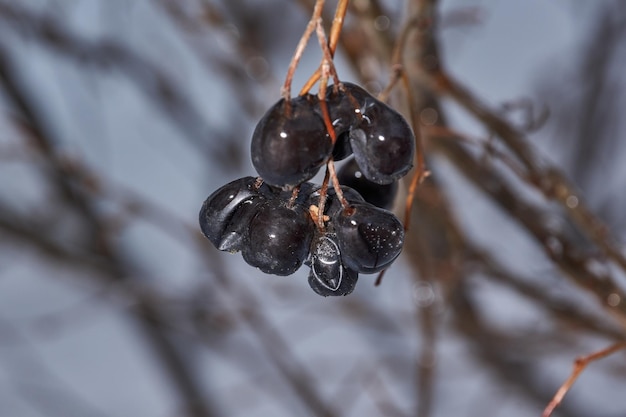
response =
{"points": [[328, 277], [380, 195], [369, 238], [226, 212], [235, 234], [383, 143], [344, 107], [279, 238], [290, 142]]}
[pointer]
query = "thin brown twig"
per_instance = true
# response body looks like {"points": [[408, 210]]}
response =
{"points": [[147, 314], [579, 366], [322, 202], [420, 173], [549, 180], [327, 66], [333, 176], [398, 74], [335, 32], [297, 55], [559, 246], [328, 69]]}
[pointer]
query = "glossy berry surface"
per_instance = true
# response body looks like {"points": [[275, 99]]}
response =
{"points": [[380, 195], [369, 238], [328, 276], [383, 143], [344, 107], [290, 143], [277, 220], [225, 214], [279, 238], [342, 148]]}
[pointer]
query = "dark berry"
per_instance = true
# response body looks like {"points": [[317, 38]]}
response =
{"points": [[235, 234], [328, 277], [383, 143], [290, 143], [369, 238], [342, 148], [347, 284], [380, 195], [344, 107], [279, 238], [225, 213]]}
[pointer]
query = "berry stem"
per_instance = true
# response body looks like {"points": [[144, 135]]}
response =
{"points": [[330, 169], [326, 114], [335, 32], [327, 66], [294, 196], [297, 55], [327, 69], [322, 203]]}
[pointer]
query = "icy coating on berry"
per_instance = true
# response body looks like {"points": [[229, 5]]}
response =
{"points": [[328, 276], [326, 263], [369, 238], [290, 143]]}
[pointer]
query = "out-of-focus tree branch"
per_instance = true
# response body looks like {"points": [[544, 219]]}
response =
{"points": [[108, 55], [225, 320], [148, 316]]}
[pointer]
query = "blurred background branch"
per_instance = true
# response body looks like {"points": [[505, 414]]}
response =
{"points": [[118, 118]]}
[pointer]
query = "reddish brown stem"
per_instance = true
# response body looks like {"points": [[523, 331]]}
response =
{"points": [[335, 32], [297, 55], [333, 176], [579, 366], [322, 203]]}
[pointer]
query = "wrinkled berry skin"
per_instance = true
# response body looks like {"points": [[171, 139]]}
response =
{"points": [[344, 107], [383, 143], [381, 140], [380, 195], [369, 238], [290, 142], [279, 238], [225, 214], [328, 276], [272, 219]]}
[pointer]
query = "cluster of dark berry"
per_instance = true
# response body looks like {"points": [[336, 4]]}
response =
{"points": [[279, 220]]}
